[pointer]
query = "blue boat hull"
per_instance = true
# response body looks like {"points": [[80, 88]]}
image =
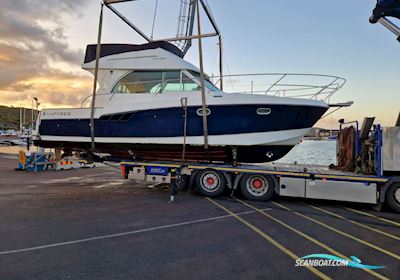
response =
{"points": [[169, 122]]}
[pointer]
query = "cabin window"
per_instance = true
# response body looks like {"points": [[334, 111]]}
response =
{"points": [[139, 82], [210, 86], [159, 81], [188, 84], [171, 81]]}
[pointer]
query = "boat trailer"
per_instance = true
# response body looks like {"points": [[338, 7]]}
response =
{"points": [[374, 179]]}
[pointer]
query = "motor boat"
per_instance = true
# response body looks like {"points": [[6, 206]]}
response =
{"points": [[139, 112], [151, 105]]}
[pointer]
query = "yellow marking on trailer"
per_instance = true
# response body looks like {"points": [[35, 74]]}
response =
{"points": [[260, 171], [269, 239], [354, 222], [309, 238], [370, 179], [373, 216], [386, 252]]}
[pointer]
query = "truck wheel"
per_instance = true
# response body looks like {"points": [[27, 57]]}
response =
{"points": [[210, 182], [393, 197], [257, 187]]}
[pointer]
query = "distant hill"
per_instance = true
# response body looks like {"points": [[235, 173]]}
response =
{"points": [[9, 117]]}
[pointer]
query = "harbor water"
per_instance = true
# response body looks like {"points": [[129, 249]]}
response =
{"points": [[312, 152]]}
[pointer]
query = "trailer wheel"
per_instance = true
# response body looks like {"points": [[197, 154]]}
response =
{"points": [[210, 182], [257, 187], [393, 197]]}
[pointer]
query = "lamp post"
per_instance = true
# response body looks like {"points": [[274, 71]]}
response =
{"points": [[34, 112]]}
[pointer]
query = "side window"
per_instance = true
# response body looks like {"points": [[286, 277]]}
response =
{"points": [[207, 82], [178, 81], [188, 84], [139, 82], [171, 81]]}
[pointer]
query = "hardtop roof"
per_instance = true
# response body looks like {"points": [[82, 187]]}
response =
{"points": [[110, 49]]}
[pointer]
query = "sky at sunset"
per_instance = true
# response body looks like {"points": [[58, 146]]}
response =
{"points": [[42, 47]]}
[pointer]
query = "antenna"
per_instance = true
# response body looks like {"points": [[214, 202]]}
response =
{"points": [[186, 24]]}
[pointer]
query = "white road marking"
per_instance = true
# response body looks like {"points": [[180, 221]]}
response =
{"points": [[157, 186], [31, 186], [111, 184], [126, 233], [85, 179], [63, 180]]}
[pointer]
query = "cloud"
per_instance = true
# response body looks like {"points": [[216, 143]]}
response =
{"points": [[32, 42]]}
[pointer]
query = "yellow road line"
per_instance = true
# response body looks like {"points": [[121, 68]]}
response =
{"points": [[309, 238], [373, 216], [269, 239], [356, 223], [386, 252]]}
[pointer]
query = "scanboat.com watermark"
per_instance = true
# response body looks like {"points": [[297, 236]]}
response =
{"points": [[331, 260]]}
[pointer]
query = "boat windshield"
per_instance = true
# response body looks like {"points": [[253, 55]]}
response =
{"points": [[209, 85], [160, 81]]}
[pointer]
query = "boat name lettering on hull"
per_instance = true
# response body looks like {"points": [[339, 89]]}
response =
{"points": [[56, 113]]}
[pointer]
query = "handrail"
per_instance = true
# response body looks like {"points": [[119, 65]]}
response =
{"points": [[320, 86]]}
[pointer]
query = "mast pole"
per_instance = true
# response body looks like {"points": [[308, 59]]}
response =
{"points": [[96, 72], [32, 115], [221, 69], [203, 92]]}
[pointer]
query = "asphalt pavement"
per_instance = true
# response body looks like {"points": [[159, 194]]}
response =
{"points": [[93, 224]]}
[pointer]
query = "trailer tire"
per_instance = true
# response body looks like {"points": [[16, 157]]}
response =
{"points": [[210, 182], [393, 197], [257, 187]]}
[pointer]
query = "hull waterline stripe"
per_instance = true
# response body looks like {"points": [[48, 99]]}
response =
{"points": [[276, 138]]}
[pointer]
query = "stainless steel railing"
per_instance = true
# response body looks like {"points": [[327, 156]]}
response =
{"points": [[297, 85]]}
